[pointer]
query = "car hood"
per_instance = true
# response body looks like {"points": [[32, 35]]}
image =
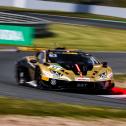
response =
{"points": [[97, 73]]}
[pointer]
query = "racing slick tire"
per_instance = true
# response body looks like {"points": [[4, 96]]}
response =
{"points": [[22, 75]]}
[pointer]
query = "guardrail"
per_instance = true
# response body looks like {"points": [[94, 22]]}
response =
{"points": [[65, 7], [40, 25], [70, 7]]}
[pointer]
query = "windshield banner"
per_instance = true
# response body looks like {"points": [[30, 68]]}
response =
{"points": [[16, 35]]}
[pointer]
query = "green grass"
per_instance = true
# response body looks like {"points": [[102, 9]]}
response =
{"points": [[117, 3], [40, 108], [84, 37], [120, 78]]}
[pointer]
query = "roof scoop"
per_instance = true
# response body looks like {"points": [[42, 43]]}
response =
{"points": [[105, 64]]}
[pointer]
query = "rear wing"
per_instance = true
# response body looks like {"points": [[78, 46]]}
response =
{"points": [[30, 49]]}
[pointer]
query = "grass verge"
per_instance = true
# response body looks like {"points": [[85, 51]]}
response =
{"points": [[120, 78], [87, 38], [40, 108]]}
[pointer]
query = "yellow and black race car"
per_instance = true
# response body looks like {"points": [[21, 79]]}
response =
{"points": [[64, 68]]}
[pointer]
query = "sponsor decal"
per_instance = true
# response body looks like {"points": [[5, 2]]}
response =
{"points": [[80, 85], [16, 35], [47, 74], [56, 67], [53, 82], [56, 74], [52, 55], [11, 35], [82, 79]]}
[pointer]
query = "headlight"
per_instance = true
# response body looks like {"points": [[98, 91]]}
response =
{"points": [[105, 76], [110, 75]]}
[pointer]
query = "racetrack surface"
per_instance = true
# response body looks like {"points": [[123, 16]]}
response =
{"points": [[78, 21], [117, 60], [8, 87]]}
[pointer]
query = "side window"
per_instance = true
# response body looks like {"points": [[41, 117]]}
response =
{"points": [[40, 57]]}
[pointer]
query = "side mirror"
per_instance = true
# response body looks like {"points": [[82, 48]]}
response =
{"points": [[46, 64], [33, 61], [105, 64]]}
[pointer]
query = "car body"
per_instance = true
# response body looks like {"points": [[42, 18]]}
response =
{"points": [[64, 68]]}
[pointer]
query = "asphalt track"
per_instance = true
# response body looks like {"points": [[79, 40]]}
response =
{"points": [[115, 59], [8, 86], [79, 21]]}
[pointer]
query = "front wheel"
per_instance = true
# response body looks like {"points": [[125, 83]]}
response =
{"points": [[22, 75]]}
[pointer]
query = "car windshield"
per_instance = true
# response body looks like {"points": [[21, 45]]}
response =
{"points": [[72, 58]]}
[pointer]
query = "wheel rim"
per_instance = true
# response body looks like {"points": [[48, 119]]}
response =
{"points": [[21, 79]]}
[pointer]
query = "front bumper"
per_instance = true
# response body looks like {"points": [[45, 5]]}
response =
{"points": [[102, 85]]}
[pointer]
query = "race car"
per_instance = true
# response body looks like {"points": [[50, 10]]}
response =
{"points": [[62, 68]]}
